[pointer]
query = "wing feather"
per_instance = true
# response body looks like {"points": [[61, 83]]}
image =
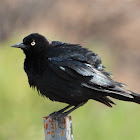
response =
{"points": [[76, 69]]}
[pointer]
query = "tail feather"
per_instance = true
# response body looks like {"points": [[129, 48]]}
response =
{"points": [[136, 98], [118, 93], [105, 100], [132, 97]]}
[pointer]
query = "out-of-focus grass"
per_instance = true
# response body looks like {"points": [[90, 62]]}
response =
{"points": [[22, 110]]}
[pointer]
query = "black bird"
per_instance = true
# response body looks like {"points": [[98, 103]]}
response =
{"points": [[69, 73]]}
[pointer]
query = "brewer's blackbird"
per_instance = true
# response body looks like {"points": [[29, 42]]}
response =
{"points": [[69, 73]]}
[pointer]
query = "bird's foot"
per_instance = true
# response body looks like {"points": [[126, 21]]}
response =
{"points": [[54, 115], [59, 117]]}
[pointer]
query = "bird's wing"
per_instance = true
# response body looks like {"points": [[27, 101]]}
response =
{"points": [[85, 74], [78, 53]]}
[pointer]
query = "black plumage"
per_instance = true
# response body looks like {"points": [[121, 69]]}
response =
{"points": [[69, 73]]}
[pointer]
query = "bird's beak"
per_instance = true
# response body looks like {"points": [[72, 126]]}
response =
{"points": [[19, 45]]}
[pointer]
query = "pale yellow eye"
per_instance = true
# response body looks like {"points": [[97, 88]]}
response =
{"points": [[33, 43]]}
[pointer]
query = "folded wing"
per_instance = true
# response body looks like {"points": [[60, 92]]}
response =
{"points": [[86, 75]]}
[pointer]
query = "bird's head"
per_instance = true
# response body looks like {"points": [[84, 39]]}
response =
{"points": [[33, 43]]}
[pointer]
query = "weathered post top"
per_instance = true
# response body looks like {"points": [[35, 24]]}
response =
{"points": [[56, 130]]}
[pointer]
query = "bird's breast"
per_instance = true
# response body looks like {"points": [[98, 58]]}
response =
{"points": [[51, 85]]}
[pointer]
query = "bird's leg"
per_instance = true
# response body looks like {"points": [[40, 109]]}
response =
{"points": [[55, 114], [65, 108], [59, 115], [63, 114]]}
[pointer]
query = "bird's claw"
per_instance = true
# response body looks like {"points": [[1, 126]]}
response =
{"points": [[59, 117], [53, 114]]}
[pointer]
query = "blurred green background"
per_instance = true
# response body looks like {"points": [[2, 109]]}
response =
{"points": [[109, 28]]}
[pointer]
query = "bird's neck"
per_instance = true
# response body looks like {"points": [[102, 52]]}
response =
{"points": [[34, 63], [35, 54]]}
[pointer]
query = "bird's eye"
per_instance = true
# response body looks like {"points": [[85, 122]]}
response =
{"points": [[33, 43]]}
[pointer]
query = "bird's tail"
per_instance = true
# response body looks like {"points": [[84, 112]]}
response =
{"points": [[120, 94], [136, 97], [131, 97], [125, 95]]}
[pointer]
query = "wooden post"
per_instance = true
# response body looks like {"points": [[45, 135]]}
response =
{"points": [[55, 130]]}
